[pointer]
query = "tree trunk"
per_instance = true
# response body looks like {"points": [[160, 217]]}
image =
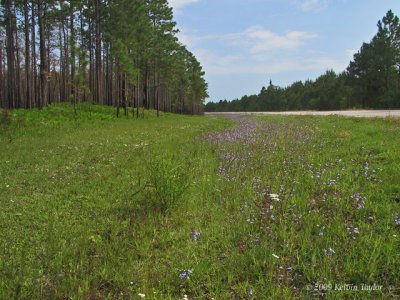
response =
{"points": [[11, 89], [146, 89], [91, 64], [43, 58], [62, 64], [49, 77], [66, 61], [1, 73], [157, 96], [17, 72], [28, 100], [118, 87], [82, 59], [35, 89], [107, 75], [72, 58], [124, 94], [98, 78], [137, 96]]}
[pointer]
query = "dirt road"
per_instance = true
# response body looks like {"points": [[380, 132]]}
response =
{"points": [[348, 113]]}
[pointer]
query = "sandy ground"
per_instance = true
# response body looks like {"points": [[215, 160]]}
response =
{"points": [[348, 113]]}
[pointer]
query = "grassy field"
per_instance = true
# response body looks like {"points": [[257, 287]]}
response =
{"points": [[95, 207]]}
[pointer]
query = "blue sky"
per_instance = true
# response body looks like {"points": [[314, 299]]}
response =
{"points": [[242, 44]]}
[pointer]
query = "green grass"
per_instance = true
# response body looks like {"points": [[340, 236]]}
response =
{"points": [[95, 207]]}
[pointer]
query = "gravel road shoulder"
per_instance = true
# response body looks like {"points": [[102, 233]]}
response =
{"points": [[347, 113]]}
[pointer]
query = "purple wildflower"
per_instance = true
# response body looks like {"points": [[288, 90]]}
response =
{"points": [[331, 182], [256, 181], [250, 221], [397, 219], [185, 274], [358, 200], [329, 251], [195, 235], [353, 231], [274, 197]]}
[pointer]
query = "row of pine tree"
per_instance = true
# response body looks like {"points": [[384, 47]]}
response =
{"points": [[372, 80], [123, 53]]}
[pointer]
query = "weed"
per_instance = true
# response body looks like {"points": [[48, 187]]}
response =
{"points": [[168, 180]]}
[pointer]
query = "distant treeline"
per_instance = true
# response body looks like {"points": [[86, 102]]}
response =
{"points": [[123, 53], [372, 80]]}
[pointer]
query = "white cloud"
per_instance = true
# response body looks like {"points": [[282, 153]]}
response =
{"points": [[177, 4], [313, 5], [264, 40], [324, 63], [258, 51], [215, 63], [190, 39], [220, 64], [255, 39]]}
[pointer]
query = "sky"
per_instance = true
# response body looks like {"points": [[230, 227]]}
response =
{"points": [[243, 44]]}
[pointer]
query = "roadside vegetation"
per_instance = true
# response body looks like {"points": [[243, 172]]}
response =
{"points": [[268, 207]]}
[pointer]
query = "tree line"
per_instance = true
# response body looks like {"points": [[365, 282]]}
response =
{"points": [[372, 80], [123, 53]]}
